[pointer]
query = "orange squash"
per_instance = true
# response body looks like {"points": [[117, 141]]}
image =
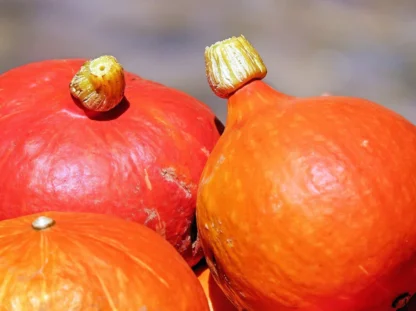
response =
{"points": [[306, 204], [59, 261], [216, 299]]}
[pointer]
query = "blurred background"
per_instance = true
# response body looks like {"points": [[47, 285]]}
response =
{"points": [[364, 48]]}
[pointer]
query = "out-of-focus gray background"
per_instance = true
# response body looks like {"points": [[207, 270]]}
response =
{"points": [[363, 48]]}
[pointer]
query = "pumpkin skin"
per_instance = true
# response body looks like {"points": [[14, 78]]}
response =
{"points": [[92, 262], [140, 161], [217, 301], [308, 204]]}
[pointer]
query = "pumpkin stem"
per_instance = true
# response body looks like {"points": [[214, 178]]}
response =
{"points": [[232, 63], [42, 222], [99, 84]]}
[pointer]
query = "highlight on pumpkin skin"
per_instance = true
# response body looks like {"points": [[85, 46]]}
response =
{"points": [[99, 85], [232, 63]]}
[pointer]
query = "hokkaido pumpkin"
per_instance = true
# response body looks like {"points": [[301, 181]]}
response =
{"points": [[83, 261], [216, 299], [70, 140], [306, 204]]}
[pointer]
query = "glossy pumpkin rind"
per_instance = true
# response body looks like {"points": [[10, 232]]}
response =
{"points": [[92, 262], [309, 203], [140, 161]]}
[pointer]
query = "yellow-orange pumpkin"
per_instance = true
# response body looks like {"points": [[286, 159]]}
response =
{"points": [[59, 261]]}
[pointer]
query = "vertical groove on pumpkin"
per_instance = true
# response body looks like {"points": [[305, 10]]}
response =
{"points": [[99, 85]]}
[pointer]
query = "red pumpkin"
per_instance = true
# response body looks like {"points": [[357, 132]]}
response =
{"points": [[140, 161], [217, 301], [306, 204], [78, 261]]}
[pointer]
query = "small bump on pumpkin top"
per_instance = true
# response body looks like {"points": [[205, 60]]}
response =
{"points": [[232, 63], [100, 83], [43, 222]]}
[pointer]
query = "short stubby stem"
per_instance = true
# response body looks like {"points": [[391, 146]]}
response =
{"points": [[100, 83], [232, 63], [235, 70], [42, 223]]}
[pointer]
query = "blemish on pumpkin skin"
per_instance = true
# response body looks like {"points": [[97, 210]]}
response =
{"points": [[147, 180], [220, 160], [161, 229], [364, 270], [184, 244], [153, 214], [169, 174], [205, 151]]}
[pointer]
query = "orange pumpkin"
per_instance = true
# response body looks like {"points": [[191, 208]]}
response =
{"points": [[306, 204], [216, 299], [78, 261]]}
